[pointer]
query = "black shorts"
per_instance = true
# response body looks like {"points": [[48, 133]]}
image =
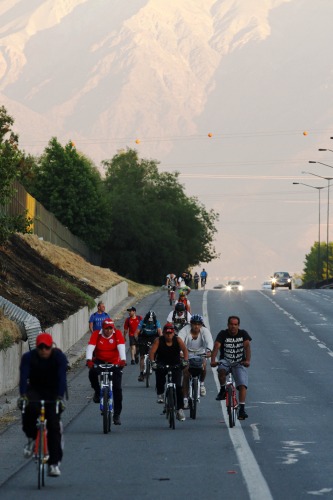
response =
{"points": [[143, 344]]}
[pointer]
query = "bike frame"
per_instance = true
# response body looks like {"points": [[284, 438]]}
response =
{"points": [[170, 396]]}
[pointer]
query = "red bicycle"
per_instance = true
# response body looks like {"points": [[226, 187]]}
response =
{"points": [[171, 294]]}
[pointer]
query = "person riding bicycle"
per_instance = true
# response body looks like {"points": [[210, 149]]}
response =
{"points": [[196, 279], [148, 330], [198, 340], [203, 277], [107, 346], [179, 317], [184, 300], [171, 283], [166, 350], [130, 327], [43, 377], [235, 354]]}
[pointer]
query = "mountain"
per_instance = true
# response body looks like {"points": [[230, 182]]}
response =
{"points": [[160, 76]]}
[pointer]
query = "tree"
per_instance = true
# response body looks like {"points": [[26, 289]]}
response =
{"points": [[69, 185], [10, 157], [155, 226], [315, 263]]}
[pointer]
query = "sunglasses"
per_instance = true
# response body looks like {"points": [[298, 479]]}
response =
{"points": [[43, 346]]}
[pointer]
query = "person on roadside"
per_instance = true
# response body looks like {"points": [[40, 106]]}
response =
{"points": [[107, 346], [179, 317], [198, 341], [43, 377], [148, 330], [97, 318], [166, 350], [235, 355], [130, 326]]}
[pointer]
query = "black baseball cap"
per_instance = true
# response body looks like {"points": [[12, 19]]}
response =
{"points": [[131, 309]]}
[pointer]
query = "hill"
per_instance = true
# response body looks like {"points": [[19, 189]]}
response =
{"points": [[50, 282]]}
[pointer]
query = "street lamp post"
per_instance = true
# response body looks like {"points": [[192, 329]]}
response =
{"points": [[319, 188], [329, 179]]}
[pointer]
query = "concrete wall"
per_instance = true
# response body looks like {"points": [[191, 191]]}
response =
{"points": [[64, 334]]}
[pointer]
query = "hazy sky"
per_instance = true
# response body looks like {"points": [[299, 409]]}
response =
{"points": [[254, 81]]}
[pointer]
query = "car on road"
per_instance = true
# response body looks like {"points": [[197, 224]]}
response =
{"points": [[266, 285], [234, 285], [219, 287], [281, 279]]}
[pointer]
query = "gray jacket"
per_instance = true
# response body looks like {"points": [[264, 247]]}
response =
{"points": [[205, 340]]}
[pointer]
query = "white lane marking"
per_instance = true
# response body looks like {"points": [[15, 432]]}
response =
{"points": [[255, 482], [296, 322], [294, 450], [255, 432], [321, 492]]}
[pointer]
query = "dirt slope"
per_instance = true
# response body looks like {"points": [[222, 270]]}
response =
{"points": [[51, 282]]}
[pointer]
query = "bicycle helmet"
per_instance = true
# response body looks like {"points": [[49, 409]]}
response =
{"points": [[180, 307], [196, 318], [168, 328], [150, 316]]}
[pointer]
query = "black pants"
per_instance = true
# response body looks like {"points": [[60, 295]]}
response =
{"points": [[116, 385], [53, 424], [176, 379]]}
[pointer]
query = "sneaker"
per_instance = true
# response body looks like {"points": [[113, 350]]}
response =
{"points": [[180, 415], [202, 390], [242, 415], [132, 362], [141, 377], [160, 398], [29, 448], [221, 394], [54, 471], [116, 420], [186, 407], [96, 397]]}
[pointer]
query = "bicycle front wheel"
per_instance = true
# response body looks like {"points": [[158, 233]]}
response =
{"points": [[230, 407], [106, 412], [147, 369], [41, 437], [171, 402], [194, 400]]}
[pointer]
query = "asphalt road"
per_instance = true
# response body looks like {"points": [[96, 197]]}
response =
{"points": [[282, 451]]}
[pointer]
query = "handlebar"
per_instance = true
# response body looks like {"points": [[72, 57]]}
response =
{"points": [[42, 402]]}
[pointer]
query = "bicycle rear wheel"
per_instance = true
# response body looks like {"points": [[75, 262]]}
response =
{"points": [[106, 412], [194, 400], [230, 407], [171, 408]]}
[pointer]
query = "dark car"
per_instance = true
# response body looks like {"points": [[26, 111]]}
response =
{"points": [[281, 279]]}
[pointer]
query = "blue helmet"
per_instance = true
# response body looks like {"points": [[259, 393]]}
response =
{"points": [[197, 318]]}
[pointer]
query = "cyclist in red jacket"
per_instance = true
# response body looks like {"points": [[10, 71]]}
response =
{"points": [[107, 346]]}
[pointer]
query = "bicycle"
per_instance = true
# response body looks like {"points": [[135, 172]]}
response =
{"points": [[170, 397], [171, 294], [106, 394], [195, 369], [203, 283], [41, 453], [147, 369], [231, 400]]}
